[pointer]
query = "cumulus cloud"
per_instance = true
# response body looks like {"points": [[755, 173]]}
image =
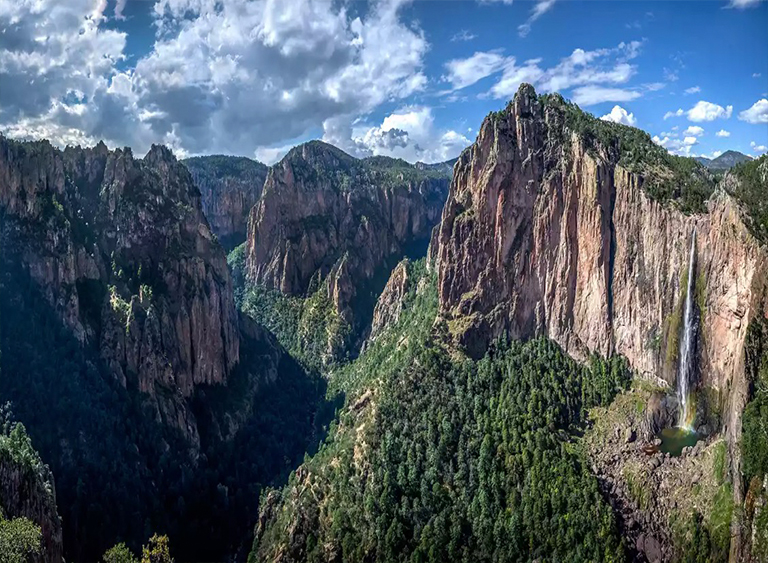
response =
{"points": [[723, 133], [707, 111], [758, 113], [677, 113], [712, 155], [692, 90], [408, 133], [619, 115], [681, 147], [758, 149], [119, 8], [54, 55], [580, 68], [694, 131], [226, 76]]}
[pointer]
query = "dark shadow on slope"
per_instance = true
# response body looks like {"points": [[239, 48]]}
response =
{"points": [[120, 474], [283, 420], [368, 294]]}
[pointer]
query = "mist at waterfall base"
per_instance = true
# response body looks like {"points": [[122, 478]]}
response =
{"points": [[673, 440]]}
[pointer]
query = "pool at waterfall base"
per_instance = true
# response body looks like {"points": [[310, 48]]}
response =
{"points": [[673, 440]]}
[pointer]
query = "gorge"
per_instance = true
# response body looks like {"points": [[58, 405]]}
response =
{"points": [[395, 362]]}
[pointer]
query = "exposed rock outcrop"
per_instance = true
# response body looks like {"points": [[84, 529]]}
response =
{"points": [[120, 249], [325, 215], [550, 230], [543, 234], [229, 186], [27, 490], [390, 303]]}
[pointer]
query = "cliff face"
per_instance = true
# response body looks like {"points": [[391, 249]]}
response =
{"points": [[120, 249], [27, 490], [545, 232], [325, 215], [229, 186], [543, 235]]}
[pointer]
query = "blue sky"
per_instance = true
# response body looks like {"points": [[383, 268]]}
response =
{"points": [[412, 79]]}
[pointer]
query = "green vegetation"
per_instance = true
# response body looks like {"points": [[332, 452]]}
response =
{"points": [[754, 433], [310, 328], [157, 550], [119, 554], [107, 449], [319, 163], [219, 166], [667, 177], [439, 458], [752, 190], [20, 539]]}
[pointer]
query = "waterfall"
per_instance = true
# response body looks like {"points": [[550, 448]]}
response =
{"points": [[687, 345]]}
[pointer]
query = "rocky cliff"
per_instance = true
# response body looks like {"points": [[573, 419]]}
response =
{"points": [[544, 233], [27, 491], [120, 249], [561, 225], [229, 188], [325, 215]]}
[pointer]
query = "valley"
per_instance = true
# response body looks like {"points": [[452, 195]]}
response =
{"points": [[341, 359]]}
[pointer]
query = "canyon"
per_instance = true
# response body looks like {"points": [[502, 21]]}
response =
{"points": [[364, 295]]}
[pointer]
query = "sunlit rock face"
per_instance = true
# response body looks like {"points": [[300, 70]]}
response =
{"points": [[326, 215], [543, 235]]}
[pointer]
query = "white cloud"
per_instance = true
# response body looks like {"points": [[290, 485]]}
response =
{"points": [[707, 111], [539, 9], [758, 149], [693, 90], [713, 155], [591, 95], [619, 115], [226, 76], [677, 113], [119, 8], [756, 75], [723, 133], [465, 72], [580, 68], [463, 35], [694, 130], [408, 133], [679, 147], [53, 56], [743, 3], [271, 155], [758, 113]]}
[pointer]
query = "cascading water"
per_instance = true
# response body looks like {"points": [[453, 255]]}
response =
{"points": [[687, 346]]}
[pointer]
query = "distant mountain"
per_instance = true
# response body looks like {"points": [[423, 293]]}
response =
{"points": [[229, 186], [446, 167], [727, 160]]}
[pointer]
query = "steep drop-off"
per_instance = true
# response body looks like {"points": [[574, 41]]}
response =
{"points": [[546, 233], [560, 225], [120, 250], [229, 188], [332, 223], [124, 355]]}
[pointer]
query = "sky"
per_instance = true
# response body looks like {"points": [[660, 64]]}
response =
{"points": [[410, 79]]}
